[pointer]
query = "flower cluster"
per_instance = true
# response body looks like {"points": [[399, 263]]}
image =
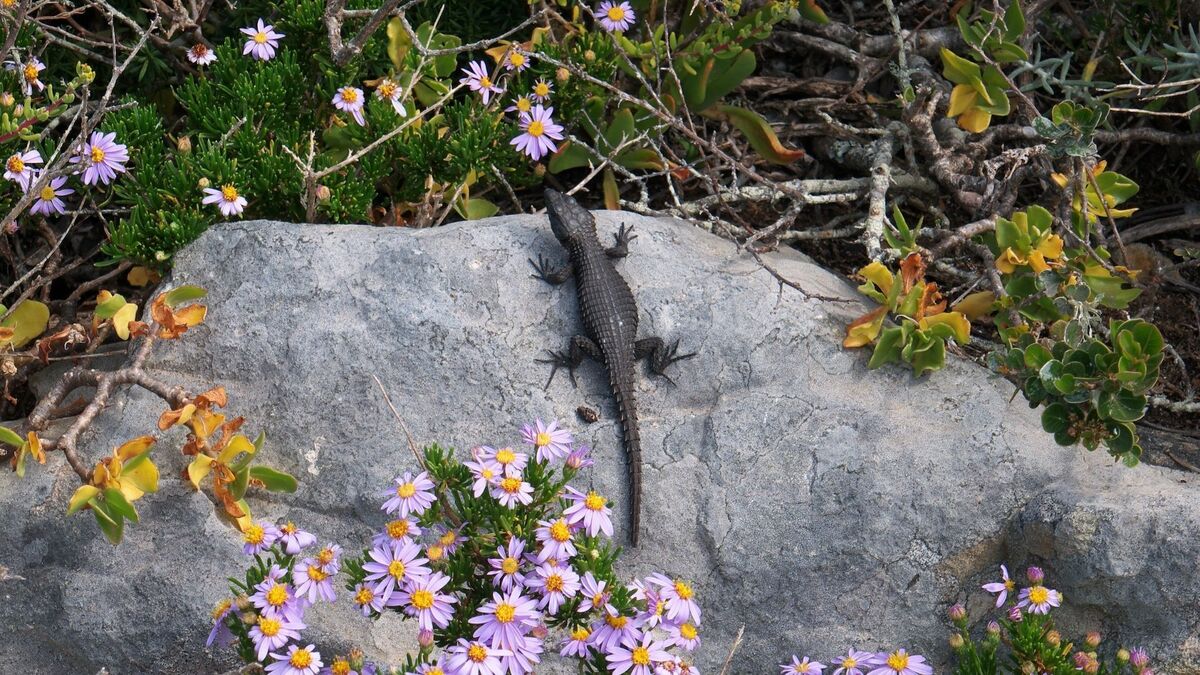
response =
{"points": [[497, 560], [857, 662], [1025, 626], [96, 161]]}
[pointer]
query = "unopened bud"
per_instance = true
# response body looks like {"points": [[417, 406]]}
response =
{"points": [[540, 631], [562, 74], [19, 110], [1036, 575], [1092, 667], [956, 641], [539, 170], [993, 628], [203, 183], [589, 56], [323, 193], [355, 657], [957, 612], [1054, 638], [425, 638], [7, 100], [1080, 659], [184, 145], [249, 618], [1092, 639], [1028, 668], [243, 603], [1123, 655], [1014, 614]]}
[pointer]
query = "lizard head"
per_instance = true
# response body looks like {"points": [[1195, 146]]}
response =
{"points": [[568, 219]]}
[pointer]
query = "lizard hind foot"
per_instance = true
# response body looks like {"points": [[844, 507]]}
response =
{"points": [[560, 360]]}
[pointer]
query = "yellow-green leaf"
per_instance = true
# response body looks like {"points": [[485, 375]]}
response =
{"points": [[236, 446], [138, 476], [122, 318], [10, 437], [811, 11], [82, 496], [183, 294], [956, 321], [275, 481], [398, 42], [198, 469], [612, 193], [758, 132], [27, 321]]}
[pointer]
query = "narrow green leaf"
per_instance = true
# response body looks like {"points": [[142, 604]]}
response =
{"points": [[274, 480]]}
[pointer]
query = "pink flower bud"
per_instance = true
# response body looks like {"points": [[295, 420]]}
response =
{"points": [[957, 612], [1036, 575]]}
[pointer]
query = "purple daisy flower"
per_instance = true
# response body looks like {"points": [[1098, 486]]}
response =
{"points": [[263, 41], [449, 539], [423, 599], [854, 661], [556, 538], [474, 658], [684, 668], [259, 537], [515, 60], [367, 599], [220, 633], [479, 80], [227, 200], [438, 667], [294, 539], [201, 55], [19, 168], [555, 584], [805, 667], [30, 74], [329, 558], [275, 598], [102, 158], [512, 489], [638, 658], [550, 442], [580, 458], [297, 661], [655, 607], [541, 91], [1039, 599], [510, 460], [578, 644], [901, 662], [485, 474], [313, 582], [506, 566], [271, 633], [539, 130], [393, 566], [389, 90], [524, 657], [615, 16], [613, 630], [594, 595], [687, 636], [350, 99], [679, 597], [1005, 586], [505, 620], [411, 495], [591, 511], [48, 201], [398, 531]]}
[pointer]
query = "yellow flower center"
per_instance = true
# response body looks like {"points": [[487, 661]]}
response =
{"points": [[199, 50], [543, 438], [505, 612], [435, 671], [30, 72], [434, 552], [388, 89], [683, 590], [580, 634], [509, 565], [222, 607], [406, 490], [448, 538], [15, 164], [897, 661], [317, 574], [659, 607], [541, 89], [340, 667], [640, 656], [594, 502], [277, 595], [260, 37], [517, 60], [290, 528], [505, 456], [422, 599], [229, 193], [97, 155], [598, 599], [487, 474], [616, 14], [477, 653], [559, 531], [523, 104], [485, 82], [397, 528], [47, 194], [364, 595], [687, 631], [1039, 595], [269, 627], [849, 662], [396, 569], [616, 621], [254, 534], [510, 485], [349, 95], [325, 557], [554, 583], [301, 658]]}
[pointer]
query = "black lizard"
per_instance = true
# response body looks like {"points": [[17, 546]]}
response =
{"points": [[610, 320]]}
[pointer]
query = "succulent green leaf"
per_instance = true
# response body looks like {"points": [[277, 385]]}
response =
{"points": [[274, 480]]}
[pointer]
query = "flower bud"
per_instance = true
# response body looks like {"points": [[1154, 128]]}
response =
{"points": [[1123, 655], [355, 657], [184, 145], [1138, 658], [539, 170], [589, 56], [323, 193], [7, 100], [243, 603], [562, 74], [1028, 668], [956, 641], [957, 612], [1036, 575], [540, 631], [993, 628], [1054, 638], [1092, 639], [1081, 660], [425, 638], [203, 183], [249, 618], [1014, 614]]}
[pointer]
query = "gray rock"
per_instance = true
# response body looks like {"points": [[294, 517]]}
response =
{"points": [[818, 504]]}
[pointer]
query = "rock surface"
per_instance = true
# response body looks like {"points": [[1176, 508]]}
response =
{"points": [[817, 503]]}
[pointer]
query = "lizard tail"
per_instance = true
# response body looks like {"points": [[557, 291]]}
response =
{"points": [[627, 408]]}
